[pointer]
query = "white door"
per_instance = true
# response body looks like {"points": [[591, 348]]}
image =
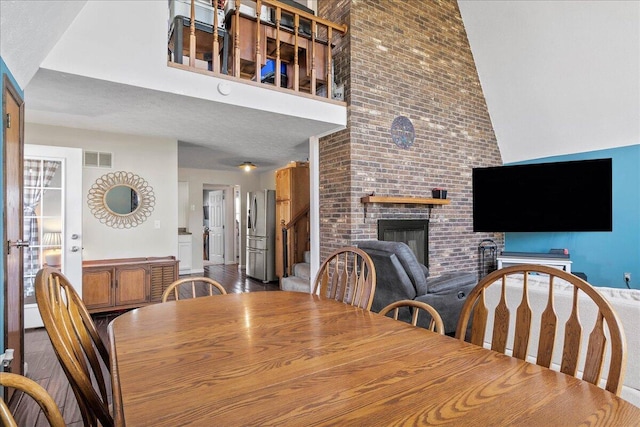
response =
{"points": [[53, 203], [216, 227]]}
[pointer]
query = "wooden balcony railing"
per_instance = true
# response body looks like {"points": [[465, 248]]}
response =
{"points": [[273, 43]]}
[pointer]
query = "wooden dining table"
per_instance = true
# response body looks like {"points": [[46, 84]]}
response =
{"points": [[288, 358]]}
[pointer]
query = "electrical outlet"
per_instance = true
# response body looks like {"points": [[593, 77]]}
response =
{"points": [[627, 277]]}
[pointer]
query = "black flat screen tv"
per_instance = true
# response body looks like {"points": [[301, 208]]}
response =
{"points": [[543, 197]]}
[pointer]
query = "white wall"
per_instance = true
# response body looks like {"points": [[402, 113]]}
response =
{"points": [[126, 42], [153, 159], [23, 55], [559, 77], [198, 179], [183, 204]]}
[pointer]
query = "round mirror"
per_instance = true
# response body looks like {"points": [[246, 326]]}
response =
{"points": [[121, 199]]}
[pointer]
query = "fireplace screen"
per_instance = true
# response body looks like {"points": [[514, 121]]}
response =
{"points": [[413, 232]]}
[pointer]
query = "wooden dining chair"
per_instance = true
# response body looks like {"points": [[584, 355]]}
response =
{"points": [[475, 311], [347, 275], [200, 286], [435, 323], [77, 345], [37, 392]]}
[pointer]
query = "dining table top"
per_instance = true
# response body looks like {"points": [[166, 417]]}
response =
{"points": [[289, 358]]}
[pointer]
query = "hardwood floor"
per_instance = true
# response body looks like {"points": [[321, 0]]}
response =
{"points": [[43, 366]]}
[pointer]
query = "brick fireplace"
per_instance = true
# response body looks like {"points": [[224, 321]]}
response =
{"points": [[413, 232], [407, 59]]}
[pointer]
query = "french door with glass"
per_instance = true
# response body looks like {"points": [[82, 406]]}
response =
{"points": [[52, 188]]}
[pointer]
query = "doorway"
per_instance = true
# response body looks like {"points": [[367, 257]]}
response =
{"points": [[221, 223], [52, 218], [13, 141]]}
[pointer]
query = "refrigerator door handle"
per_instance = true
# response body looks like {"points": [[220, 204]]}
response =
{"points": [[254, 212]]}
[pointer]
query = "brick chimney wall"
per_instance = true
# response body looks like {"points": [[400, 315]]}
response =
{"points": [[408, 59]]}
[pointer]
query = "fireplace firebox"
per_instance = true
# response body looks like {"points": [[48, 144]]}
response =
{"points": [[413, 232]]}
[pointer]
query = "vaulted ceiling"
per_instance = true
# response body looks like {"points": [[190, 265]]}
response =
{"points": [[558, 77]]}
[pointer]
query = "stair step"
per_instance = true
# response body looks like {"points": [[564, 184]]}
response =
{"points": [[295, 284], [300, 281], [302, 270]]}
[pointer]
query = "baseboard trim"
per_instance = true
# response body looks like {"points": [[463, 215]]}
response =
{"points": [[192, 271]]}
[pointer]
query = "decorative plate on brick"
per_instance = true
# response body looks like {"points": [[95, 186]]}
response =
{"points": [[402, 132]]}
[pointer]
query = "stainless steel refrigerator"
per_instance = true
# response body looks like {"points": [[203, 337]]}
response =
{"points": [[261, 228]]}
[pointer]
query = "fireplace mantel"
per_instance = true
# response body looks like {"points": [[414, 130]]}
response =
{"points": [[430, 202], [407, 200]]}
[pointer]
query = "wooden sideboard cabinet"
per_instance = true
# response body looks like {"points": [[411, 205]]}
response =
{"points": [[113, 284], [292, 198]]}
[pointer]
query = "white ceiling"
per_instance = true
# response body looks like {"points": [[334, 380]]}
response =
{"points": [[43, 21], [558, 77], [210, 135]]}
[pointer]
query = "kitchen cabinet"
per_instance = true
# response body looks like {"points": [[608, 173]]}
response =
{"points": [[184, 252], [292, 203], [114, 284]]}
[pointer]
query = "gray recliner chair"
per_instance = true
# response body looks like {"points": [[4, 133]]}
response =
{"points": [[400, 276]]}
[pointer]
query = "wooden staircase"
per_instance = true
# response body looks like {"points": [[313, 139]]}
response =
{"points": [[300, 280]]}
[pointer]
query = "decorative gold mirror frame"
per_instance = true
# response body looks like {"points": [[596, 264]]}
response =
{"points": [[96, 199]]}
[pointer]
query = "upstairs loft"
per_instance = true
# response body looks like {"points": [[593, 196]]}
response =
{"points": [[292, 47], [101, 74]]}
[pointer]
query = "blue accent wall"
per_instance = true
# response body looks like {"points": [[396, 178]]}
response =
{"points": [[603, 256], [4, 70]]}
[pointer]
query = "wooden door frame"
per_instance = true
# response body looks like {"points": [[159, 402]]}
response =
{"points": [[8, 89], [230, 238]]}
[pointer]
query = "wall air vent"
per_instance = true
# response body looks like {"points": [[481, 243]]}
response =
{"points": [[95, 159]]}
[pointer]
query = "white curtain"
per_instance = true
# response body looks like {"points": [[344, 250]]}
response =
{"points": [[37, 175]]}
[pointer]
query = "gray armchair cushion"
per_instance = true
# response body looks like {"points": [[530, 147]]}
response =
{"points": [[450, 302], [399, 276], [425, 270], [389, 270], [416, 272], [449, 282]]}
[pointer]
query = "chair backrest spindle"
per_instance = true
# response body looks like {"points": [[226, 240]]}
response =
{"points": [[77, 344], [435, 324], [347, 275], [35, 391], [599, 343], [195, 288]]}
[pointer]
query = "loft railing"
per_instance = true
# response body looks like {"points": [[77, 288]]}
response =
{"points": [[273, 43], [292, 247]]}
